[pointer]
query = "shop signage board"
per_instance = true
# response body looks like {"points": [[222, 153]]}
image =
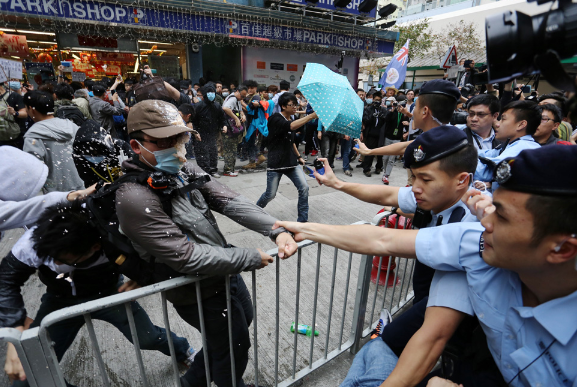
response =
{"points": [[13, 45], [78, 77], [125, 15], [352, 8], [10, 69]]}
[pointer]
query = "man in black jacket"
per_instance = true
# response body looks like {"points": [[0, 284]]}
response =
{"points": [[395, 125], [81, 274], [374, 118]]}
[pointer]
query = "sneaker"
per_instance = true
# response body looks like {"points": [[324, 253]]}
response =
{"points": [[384, 320], [261, 159], [215, 174], [339, 158], [314, 152], [249, 166], [305, 158], [348, 172], [385, 180], [367, 174], [190, 354], [230, 174], [378, 171]]}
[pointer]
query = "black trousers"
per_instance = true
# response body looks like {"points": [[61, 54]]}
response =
{"points": [[372, 143], [206, 152], [217, 339]]}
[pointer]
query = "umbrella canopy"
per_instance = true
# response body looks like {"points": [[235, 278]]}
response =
{"points": [[336, 103]]}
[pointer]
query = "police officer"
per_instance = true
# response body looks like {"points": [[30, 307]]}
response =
{"points": [[520, 263]]}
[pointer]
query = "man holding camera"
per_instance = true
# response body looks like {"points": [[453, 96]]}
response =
{"points": [[374, 118], [395, 125]]}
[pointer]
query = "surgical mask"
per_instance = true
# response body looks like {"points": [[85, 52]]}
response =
{"points": [[225, 94], [166, 160], [14, 85], [211, 96], [369, 100], [270, 95], [415, 100], [388, 103], [94, 159]]}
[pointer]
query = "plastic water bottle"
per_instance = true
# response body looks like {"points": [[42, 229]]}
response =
{"points": [[357, 146], [304, 329], [319, 167]]}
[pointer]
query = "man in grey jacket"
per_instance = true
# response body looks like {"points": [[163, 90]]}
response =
{"points": [[189, 240], [101, 111], [50, 139]]}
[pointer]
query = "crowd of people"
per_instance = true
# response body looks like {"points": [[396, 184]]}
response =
{"points": [[493, 215]]}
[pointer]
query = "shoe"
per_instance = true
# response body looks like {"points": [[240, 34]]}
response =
{"points": [[221, 157], [243, 158], [385, 180], [305, 158], [358, 166], [339, 158], [314, 152], [215, 174], [261, 159], [249, 166], [354, 156], [348, 172], [378, 171], [384, 320], [190, 354], [230, 174], [367, 174]]}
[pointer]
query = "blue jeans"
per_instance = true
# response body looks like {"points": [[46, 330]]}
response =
{"points": [[371, 366], [346, 151], [297, 176], [250, 147]]}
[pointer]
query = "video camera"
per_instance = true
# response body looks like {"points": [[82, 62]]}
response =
{"points": [[519, 44], [467, 90]]}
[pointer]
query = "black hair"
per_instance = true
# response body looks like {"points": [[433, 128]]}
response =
{"points": [[184, 85], [218, 82], [129, 81], [285, 99], [560, 101], [359, 90], [552, 215], [187, 109], [64, 228], [172, 82], [489, 100], [525, 111], [98, 90], [261, 89], [46, 87], [464, 160], [417, 91], [410, 90], [241, 88], [201, 81], [64, 91], [441, 106], [76, 85], [196, 84], [284, 85], [40, 101], [297, 92], [89, 83], [107, 82], [207, 89], [554, 109], [250, 83], [377, 94]]}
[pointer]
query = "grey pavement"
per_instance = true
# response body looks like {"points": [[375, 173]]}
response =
{"points": [[326, 206]]}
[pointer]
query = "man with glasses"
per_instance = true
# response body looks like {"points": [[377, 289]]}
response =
{"points": [[482, 109], [283, 155], [550, 119]]}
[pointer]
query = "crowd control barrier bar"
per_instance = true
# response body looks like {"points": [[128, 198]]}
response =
{"points": [[36, 350]]}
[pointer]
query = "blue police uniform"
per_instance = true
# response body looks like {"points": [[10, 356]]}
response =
{"points": [[485, 169]]}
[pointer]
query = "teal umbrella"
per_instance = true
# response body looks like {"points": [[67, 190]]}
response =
{"points": [[333, 99]]}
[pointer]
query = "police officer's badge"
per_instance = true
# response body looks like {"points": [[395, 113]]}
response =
{"points": [[418, 154], [503, 172]]}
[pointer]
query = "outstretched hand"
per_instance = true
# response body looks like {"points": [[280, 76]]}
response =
{"points": [[329, 178], [362, 149], [480, 205], [297, 228]]}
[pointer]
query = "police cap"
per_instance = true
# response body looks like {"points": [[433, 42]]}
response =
{"points": [[441, 86], [433, 145], [537, 171]]}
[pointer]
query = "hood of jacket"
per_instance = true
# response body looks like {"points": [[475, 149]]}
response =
{"points": [[53, 129], [23, 175]]}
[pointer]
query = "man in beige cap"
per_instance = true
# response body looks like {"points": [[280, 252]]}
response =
{"points": [[189, 240]]}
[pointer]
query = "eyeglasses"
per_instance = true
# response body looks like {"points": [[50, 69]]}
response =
{"points": [[480, 115], [289, 105], [546, 119], [163, 143]]}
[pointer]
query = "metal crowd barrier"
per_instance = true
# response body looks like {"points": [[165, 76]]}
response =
{"points": [[36, 352]]}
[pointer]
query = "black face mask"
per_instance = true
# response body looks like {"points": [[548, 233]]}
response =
{"points": [[88, 262], [377, 103]]}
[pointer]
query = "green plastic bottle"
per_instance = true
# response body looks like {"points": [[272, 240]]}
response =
{"points": [[304, 329]]}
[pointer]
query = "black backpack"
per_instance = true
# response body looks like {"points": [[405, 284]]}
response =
{"points": [[72, 113], [117, 247]]}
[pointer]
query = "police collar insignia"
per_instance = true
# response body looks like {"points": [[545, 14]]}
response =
{"points": [[418, 154], [481, 246], [503, 172]]}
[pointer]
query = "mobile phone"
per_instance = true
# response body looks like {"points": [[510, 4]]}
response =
{"points": [[527, 89]]}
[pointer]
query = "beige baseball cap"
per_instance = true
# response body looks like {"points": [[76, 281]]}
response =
{"points": [[156, 118]]}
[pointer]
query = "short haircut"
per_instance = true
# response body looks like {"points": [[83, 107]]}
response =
{"points": [[64, 91], [377, 94], [441, 106], [89, 83], [552, 215], [554, 109], [284, 85], [172, 82], [464, 160], [273, 88], [207, 89], [410, 90], [98, 90], [261, 89], [525, 111], [218, 83], [242, 88], [196, 84], [187, 109], [250, 83], [76, 85], [81, 93], [106, 81], [47, 88], [40, 101], [297, 92], [359, 90], [489, 100], [285, 99], [417, 91], [560, 101], [64, 228], [184, 85]]}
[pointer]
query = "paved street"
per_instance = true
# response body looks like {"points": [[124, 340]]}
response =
{"points": [[326, 206]]}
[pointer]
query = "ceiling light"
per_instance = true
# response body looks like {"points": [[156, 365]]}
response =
{"points": [[75, 56], [7, 30], [44, 42], [146, 41], [146, 49], [36, 32]]}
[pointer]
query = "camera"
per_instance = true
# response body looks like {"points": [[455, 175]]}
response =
{"points": [[467, 90], [519, 44], [403, 103]]}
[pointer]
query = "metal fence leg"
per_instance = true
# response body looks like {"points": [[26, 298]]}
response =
{"points": [[136, 343], [169, 339], [229, 314], [313, 325], [53, 366], [255, 325], [203, 332], [361, 299], [96, 347]]}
